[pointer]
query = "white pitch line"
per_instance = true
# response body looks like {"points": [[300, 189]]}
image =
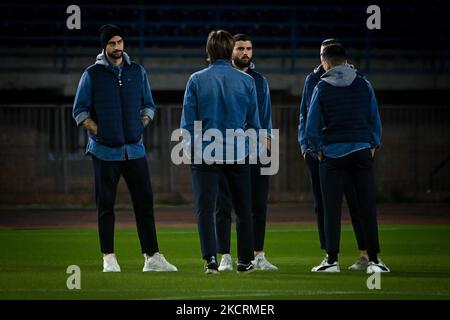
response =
{"points": [[299, 293], [208, 294]]}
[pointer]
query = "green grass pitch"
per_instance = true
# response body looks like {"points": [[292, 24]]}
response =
{"points": [[33, 265]]}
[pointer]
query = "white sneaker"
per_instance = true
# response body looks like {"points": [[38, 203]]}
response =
{"points": [[110, 263], [377, 267], [261, 263], [158, 263], [324, 266], [361, 264], [226, 263]]}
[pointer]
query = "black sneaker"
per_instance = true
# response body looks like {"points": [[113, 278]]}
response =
{"points": [[211, 265], [245, 268]]}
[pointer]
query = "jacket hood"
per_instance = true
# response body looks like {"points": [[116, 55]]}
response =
{"points": [[103, 60], [340, 76]]}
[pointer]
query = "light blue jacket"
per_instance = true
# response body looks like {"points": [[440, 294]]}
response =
{"points": [[222, 97]]}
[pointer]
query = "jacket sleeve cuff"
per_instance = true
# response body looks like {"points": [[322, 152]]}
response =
{"points": [[148, 112], [304, 148], [81, 117]]}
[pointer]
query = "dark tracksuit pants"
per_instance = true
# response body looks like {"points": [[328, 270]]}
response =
{"points": [[205, 181], [259, 195], [350, 195], [137, 178], [359, 167]]}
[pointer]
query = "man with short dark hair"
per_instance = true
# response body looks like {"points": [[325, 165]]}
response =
{"points": [[313, 166], [221, 98], [114, 103], [344, 128], [242, 60]]}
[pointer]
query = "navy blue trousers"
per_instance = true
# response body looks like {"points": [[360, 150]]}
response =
{"points": [[358, 166], [350, 195], [224, 206], [137, 178], [205, 181]]}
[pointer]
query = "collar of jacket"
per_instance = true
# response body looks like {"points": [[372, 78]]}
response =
{"points": [[340, 76], [319, 71], [103, 60], [221, 63]]}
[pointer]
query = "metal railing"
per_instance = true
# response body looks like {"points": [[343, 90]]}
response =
{"points": [[41, 147]]}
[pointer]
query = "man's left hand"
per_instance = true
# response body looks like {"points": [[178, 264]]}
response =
{"points": [[269, 144], [145, 120], [320, 155]]}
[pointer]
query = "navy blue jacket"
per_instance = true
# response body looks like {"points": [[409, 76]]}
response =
{"points": [[116, 104], [345, 112], [264, 102], [310, 82]]}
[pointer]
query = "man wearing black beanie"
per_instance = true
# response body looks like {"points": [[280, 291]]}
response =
{"points": [[108, 31], [114, 103]]}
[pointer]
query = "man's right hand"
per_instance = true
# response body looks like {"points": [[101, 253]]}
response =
{"points": [[320, 155], [90, 125]]}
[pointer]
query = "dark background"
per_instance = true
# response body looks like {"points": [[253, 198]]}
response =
{"points": [[42, 159]]}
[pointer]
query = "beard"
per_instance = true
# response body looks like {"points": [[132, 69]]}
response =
{"points": [[242, 63], [116, 54]]}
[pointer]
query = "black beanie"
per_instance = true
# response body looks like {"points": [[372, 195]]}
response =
{"points": [[108, 31]]}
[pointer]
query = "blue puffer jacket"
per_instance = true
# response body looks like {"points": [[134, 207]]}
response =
{"points": [[116, 105], [115, 98], [343, 116], [310, 83]]}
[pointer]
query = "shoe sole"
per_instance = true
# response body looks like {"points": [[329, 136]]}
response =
{"points": [[266, 269], [159, 270], [329, 270], [244, 272], [211, 271]]}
